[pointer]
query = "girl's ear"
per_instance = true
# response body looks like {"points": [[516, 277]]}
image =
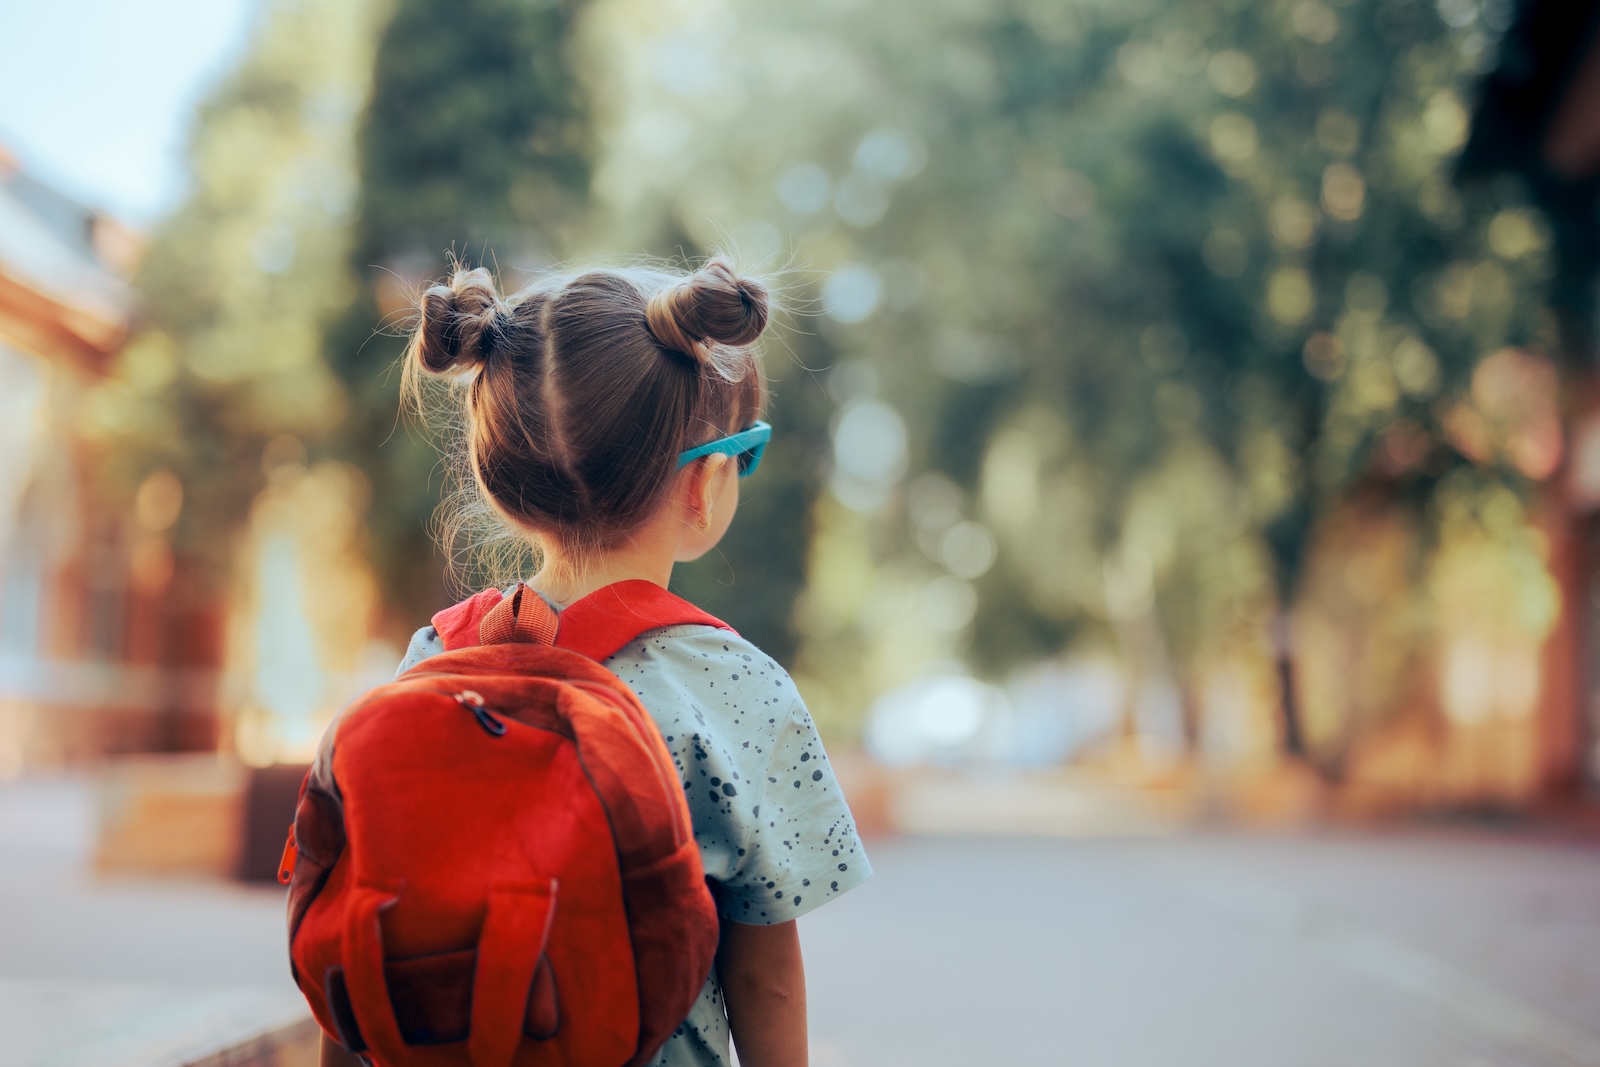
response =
{"points": [[698, 493], [706, 498]]}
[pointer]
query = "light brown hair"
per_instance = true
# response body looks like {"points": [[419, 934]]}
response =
{"points": [[581, 390]]}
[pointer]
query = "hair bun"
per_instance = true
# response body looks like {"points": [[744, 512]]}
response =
{"points": [[457, 327], [714, 304]]}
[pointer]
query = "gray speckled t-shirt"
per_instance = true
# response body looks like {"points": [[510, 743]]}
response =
{"points": [[775, 835]]}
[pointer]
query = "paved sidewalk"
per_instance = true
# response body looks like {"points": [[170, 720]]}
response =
{"points": [[1399, 950], [129, 973], [90, 1024]]}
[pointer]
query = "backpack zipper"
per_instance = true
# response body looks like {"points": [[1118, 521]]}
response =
{"points": [[472, 700]]}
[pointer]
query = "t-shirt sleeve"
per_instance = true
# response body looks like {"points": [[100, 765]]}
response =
{"points": [[800, 847], [775, 833], [424, 643]]}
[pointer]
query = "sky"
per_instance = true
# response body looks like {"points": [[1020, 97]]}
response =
{"points": [[96, 95]]}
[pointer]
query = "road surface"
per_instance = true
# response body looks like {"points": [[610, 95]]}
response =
{"points": [[1404, 949]]}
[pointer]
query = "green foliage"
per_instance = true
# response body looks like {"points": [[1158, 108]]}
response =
{"points": [[1175, 280], [238, 282], [1153, 286], [476, 134], [478, 140], [475, 145], [1253, 253]]}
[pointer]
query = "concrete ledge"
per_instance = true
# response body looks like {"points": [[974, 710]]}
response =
{"points": [[170, 815], [290, 1045], [1028, 807]]}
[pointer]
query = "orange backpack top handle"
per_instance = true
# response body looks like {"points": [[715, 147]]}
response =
{"points": [[598, 626], [492, 861]]}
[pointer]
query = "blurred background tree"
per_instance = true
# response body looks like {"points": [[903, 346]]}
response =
{"points": [[224, 379], [1534, 121], [1147, 293], [476, 146], [1103, 318], [238, 282]]}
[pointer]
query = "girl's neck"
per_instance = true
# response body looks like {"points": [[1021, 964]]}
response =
{"points": [[682, 529], [564, 582]]}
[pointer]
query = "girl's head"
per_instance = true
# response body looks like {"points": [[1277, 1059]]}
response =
{"points": [[581, 391]]}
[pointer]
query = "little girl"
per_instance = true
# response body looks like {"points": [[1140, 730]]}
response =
{"points": [[610, 417]]}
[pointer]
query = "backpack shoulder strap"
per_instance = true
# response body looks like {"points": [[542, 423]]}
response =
{"points": [[602, 623], [457, 625], [597, 626]]}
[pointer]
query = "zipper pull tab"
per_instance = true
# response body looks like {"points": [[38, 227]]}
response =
{"points": [[473, 702]]}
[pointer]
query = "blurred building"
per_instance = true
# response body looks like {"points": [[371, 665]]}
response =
{"points": [[80, 638]]}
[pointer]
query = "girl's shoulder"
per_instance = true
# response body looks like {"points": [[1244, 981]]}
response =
{"points": [[775, 832], [703, 648], [716, 670], [424, 644]]}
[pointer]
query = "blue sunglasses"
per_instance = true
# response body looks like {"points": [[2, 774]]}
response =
{"points": [[745, 446]]}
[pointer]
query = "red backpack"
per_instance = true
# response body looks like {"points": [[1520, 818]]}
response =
{"points": [[492, 861]]}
